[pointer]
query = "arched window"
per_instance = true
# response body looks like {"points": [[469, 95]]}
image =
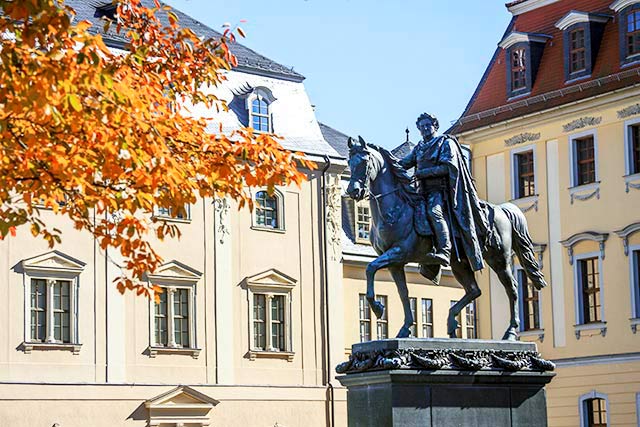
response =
{"points": [[594, 409], [260, 119], [268, 210]]}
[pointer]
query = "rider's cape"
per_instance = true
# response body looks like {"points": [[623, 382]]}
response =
{"points": [[469, 217]]}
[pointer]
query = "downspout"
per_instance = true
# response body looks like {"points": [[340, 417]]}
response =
{"points": [[326, 289]]}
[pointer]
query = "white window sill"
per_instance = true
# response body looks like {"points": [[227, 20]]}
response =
{"points": [[537, 334], [264, 354], [632, 182], [586, 327], [577, 79], [635, 322], [171, 219], [28, 347], [269, 229], [155, 351], [585, 192], [633, 60], [518, 96], [527, 203]]}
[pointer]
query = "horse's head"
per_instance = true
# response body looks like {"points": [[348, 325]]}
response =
{"points": [[359, 158]]}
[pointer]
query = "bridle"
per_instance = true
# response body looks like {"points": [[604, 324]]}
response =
{"points": [[368, 194]]}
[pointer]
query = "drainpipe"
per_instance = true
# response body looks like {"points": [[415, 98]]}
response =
{"points": [[326, 289]]}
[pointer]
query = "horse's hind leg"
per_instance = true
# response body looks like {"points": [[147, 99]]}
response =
{"points": [[397, 272], [465, 276]]}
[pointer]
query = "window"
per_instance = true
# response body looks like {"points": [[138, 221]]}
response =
{"points": [[635, 281], [269, 321], [268, 210], [50, 311], [413, 303], [459, 320], [51, 307], [363, 222], [365, 319], [633, 33], [584, 161], [594, 412], [518, 69], [167, 213], [589, 282], [260, 118], [269, 297], [382, 324], [529, 303], [577, 51], [472, 320], [173, 326], [524, 174], [427, 318], [173, 317], [633, 148]]}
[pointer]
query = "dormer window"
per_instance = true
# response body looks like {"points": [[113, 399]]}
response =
{"points": [[577, 51], [518, 69], [582, 33], [260, 114], [523, 52], [629, 29]]}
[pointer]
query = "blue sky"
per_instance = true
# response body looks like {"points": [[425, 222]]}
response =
{"points": [[372, 66]]}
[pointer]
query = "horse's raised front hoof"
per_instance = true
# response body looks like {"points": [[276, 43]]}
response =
{"points": [[452, 326], [378, 308], [510, 335], [404, 332]]}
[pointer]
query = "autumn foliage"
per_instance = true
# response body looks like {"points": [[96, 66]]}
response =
{"points": [[103, 137]]}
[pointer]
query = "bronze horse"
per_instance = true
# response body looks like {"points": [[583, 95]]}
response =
{"points": [[376, 173]]}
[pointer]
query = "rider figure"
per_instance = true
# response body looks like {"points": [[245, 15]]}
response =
{"points": [[445, 180]]}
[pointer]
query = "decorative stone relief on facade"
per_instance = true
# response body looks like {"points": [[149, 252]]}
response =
{"points": [[629, 111], [521, 139], [445, 359], [582, 122], [334, 210], [221, 207], [582, 197]]}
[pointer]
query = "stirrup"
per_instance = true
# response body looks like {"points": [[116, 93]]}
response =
{"points": [[439, 258]]}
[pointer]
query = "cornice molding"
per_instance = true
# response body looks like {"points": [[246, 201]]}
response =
{"points": [[582, 122], [528, 6], [577, 17], [519, 37], [619, 5], [625, 233], [586, 235]]}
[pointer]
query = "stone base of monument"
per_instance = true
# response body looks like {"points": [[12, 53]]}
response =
{"points": [[445, 382]]}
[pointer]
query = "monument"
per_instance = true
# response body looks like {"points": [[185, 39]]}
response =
{"points": [[439, 222]]}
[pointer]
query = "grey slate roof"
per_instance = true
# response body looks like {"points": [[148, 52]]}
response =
{"points": [[403, 149], [336, 139], [248, 60]]}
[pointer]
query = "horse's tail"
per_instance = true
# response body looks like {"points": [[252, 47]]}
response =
{"points": [[523, 245]]}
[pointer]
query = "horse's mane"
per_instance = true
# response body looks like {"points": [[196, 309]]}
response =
{"points": [[400, 174]]}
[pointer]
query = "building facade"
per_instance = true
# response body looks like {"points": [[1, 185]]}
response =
{"points": [[242, 335], [554, 129]]}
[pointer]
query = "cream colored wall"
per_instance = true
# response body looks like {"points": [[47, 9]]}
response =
{"points": [[355, 283], [557, 218]]}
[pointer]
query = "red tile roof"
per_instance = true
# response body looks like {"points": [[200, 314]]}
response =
{"points": [[490, 104]]}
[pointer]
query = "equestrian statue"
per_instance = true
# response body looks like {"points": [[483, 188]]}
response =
{"points": [[437, 223]]}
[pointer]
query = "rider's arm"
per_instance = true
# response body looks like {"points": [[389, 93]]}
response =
{"points": [[409, 161], [433, 172]]}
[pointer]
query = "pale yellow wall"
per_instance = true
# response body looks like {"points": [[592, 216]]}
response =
{"points": [[613, 210]]}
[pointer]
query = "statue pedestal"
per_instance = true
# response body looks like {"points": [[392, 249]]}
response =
{"points": [[445, 382]]}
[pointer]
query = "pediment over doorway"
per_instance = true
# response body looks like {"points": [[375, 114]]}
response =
{"points": [[181, 406]]}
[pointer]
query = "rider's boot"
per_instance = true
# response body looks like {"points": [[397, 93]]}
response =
{"points": [[442, 243]]}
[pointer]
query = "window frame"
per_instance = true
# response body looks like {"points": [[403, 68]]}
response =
{"points": [[383, 321], [634, 280], [519, 273], [582, 405], [363, 307], [573, 158], [166, 215], [52, 267], [280, 209], [515, 173], [173, 276], [474, 325], [587, 28], [362, 204], [622, 16], [283, 286], [261, 93], [578, 291], [460, 327], [425, 317], [526, 89], [628, 148], [413, 304]]}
